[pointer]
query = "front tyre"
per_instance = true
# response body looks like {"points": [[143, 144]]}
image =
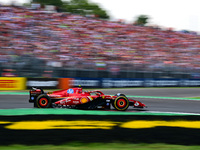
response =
{"points": [[121, 103], [43, 101]]}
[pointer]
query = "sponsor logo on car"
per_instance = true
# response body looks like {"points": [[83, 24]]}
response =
{"points": [[84, 100], [70, 91]]}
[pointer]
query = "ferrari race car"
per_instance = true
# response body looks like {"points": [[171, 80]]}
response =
{"points": [[79, 99]]}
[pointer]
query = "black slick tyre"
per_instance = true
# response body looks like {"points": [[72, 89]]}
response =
{"points": [[121, 103], [43, 101]]}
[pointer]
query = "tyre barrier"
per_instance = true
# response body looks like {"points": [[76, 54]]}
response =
{"points": [[61, 129]]}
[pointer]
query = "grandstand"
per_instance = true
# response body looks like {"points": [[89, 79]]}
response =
{"points": [[34, 42]]}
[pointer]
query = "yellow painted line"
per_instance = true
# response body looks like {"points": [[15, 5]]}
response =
{"points": [[4, 122], [151, 124], [56, 124], [92, 124]]}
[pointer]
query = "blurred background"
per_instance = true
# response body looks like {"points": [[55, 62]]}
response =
{"points": [[78, 38]]}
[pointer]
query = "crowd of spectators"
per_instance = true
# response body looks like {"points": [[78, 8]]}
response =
{"points": [[73, 41]]}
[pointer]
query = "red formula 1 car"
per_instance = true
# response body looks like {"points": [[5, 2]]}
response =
{"points": [[76, 98]]}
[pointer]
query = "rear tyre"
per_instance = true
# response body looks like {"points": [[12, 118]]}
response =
{"points": [[43, 101], [121, 103]]}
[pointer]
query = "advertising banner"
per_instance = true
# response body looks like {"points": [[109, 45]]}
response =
{"points": [[12, 83], [87, 82], [110, 83], [65, 83], [134, 82], [45, 83]]}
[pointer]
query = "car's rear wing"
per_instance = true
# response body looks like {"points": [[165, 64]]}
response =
{"points": [[36, 89]]}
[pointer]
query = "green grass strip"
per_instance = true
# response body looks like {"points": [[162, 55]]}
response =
{"points": [[63, 111], [102, 146]]}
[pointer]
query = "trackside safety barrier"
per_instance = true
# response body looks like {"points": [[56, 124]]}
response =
{"points": [[21, 83], [12, 83]]}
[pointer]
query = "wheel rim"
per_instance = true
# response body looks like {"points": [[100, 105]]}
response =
{"points": [[121, 103], [43, 102]]}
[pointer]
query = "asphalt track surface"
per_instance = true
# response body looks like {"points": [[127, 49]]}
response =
{"points": [[161, 104]]}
